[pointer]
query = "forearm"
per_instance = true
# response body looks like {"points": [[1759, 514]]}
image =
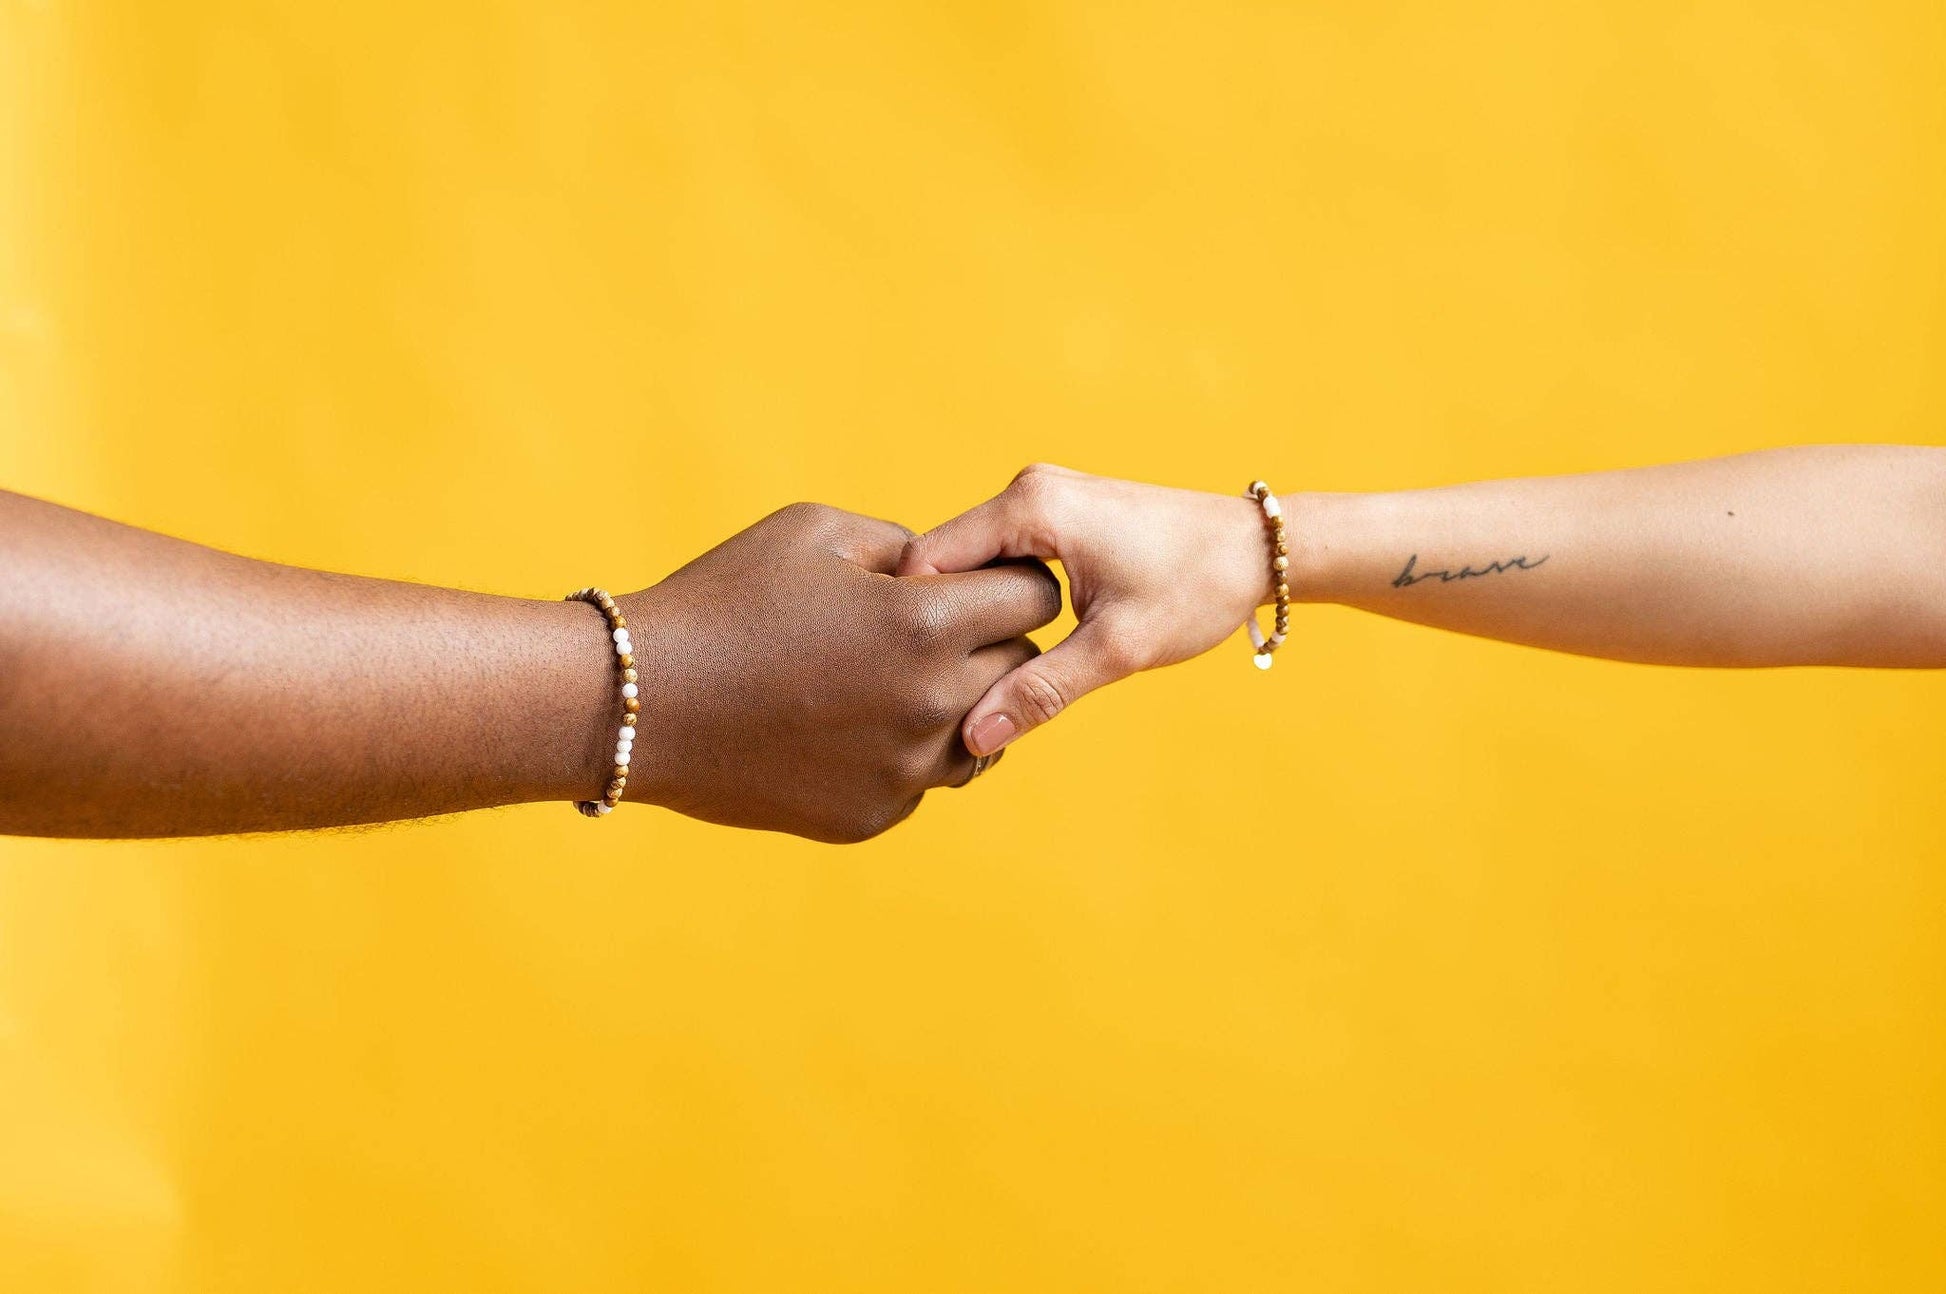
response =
{"points": [[150, 686], [1820, 555]]}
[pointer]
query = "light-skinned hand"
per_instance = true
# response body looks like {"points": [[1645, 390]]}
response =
{"points": [[1156, 576]]}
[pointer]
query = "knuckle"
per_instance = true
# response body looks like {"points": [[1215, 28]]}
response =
{"points": [[914, 768], [879, 819], [1040, 697], [807, 515], [853, 823], [825, 827], [1032, 481], [928, 709], [850, 831], [1040, 498]]}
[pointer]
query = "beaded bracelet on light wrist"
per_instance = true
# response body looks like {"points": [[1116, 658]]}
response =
{"points": [[1263, 646]]}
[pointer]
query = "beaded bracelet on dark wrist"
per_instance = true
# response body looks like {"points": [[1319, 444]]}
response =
{"points": [[631, 702]]}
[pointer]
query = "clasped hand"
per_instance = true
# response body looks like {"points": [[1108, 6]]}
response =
{"points": [[823, 670]]}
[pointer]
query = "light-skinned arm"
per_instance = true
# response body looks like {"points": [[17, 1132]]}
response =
{"points": [[1819, 555], [153, 687]]}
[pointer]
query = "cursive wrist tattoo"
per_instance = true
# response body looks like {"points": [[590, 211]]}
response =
{"points": [[1409, 577]]}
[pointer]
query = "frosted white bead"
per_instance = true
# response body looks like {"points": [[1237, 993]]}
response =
{"points": [[604, 809], [630, 690], [1272, 508], [621, 759], [624, 747], [621, 635], [626, 737], [1263, 659]]}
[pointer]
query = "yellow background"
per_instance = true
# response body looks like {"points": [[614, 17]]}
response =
{"points": [[1419, 964]]}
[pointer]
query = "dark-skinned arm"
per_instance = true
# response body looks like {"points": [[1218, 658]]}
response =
{"points": [[154, 687]]}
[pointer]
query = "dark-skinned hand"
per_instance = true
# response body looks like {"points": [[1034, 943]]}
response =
{"points": [[792, 683]]}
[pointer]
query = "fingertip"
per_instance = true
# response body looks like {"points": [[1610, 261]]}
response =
{"points": [[989, 733]]}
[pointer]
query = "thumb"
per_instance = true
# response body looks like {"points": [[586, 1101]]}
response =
{"points": [[1038, 690]]}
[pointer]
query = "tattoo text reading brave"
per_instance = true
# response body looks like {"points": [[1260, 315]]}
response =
{"points": [[1407, 579]]}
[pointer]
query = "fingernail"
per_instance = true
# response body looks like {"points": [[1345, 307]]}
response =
{"points": [[990, 734]]}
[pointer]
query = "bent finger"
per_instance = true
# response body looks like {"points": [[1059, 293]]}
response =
{"points": [[993, 604]]}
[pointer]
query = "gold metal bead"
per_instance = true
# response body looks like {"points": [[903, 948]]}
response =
{"points": [[628, 674], [1283, 592], [620, 622], [628, 721], [631, 705], [628, 660], [1282, 563]]}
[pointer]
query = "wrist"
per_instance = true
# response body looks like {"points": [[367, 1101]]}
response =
{"points": [[665, 680], [573, 752], [1324, 540], [1246, 580]]}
